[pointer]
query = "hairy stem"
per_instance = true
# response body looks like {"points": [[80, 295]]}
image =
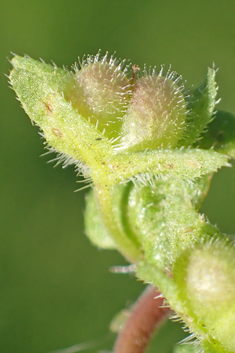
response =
{"points": [[145, 317]]}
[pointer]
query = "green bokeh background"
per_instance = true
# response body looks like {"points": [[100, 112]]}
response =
{"points": [[56, 289]]}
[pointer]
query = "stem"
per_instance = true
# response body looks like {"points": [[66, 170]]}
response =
{"points": [[146, 316]]}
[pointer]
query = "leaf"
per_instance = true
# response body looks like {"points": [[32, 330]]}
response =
{"points": [[220, 134], [200, 105], [94, 227], [164, 219], [185, 164], [40, 89]]}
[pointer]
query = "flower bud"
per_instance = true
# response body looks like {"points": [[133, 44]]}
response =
{"points": [[206, 278], [100, 92], [156, 114]]}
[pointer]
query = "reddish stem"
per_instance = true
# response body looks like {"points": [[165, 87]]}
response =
{"points": [[145, 317]]}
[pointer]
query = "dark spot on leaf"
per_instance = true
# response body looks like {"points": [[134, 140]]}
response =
{"points": [[56, 132], [170, 165], [48, 107]]}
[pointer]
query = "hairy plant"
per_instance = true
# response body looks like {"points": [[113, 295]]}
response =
{"points": [[148, 148]]}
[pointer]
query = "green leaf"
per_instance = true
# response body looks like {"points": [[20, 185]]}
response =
{"points": [[197, 190], [164, 219], [94, 227], [220, 134], [111, 203], [185, 164], [52, 76], [40, 90], [200, 105]]}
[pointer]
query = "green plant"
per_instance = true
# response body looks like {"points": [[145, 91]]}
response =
{"points": [[148, 147]]}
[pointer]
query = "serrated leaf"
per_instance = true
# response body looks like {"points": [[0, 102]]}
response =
{"points": [[197, 190], [186, 164], [39, 88], [200, 105]]}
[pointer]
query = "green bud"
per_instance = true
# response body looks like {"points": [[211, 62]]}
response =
{"points": [[206, 279], [156, 114], [100, 92]]}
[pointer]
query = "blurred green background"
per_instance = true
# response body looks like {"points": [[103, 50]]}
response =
{"points": [[56, 289]]}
